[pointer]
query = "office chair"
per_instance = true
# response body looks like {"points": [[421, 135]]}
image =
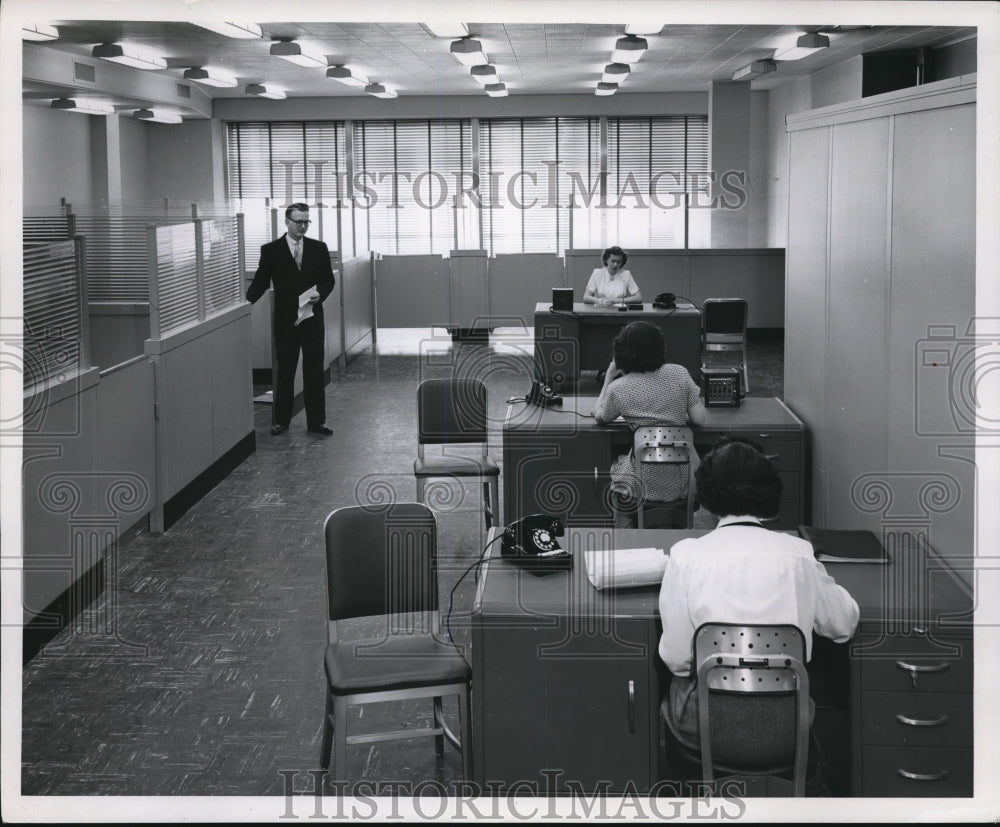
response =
{"points": [[724, 328], [454, 411], [381, 565], [753, 709], [653, 444]]}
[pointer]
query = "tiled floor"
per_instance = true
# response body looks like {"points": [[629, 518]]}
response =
{"points": [[206, 678]]}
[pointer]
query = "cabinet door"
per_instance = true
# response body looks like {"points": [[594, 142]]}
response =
{"points": [[566, 475], [566, 705]]}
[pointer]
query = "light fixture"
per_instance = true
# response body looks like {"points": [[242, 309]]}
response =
{"points": [[346, 76], [616, 73], [128, 55], [606, 88], [259, 90], [209, 78], [496, 90], [156, 116], [38, 31], [643, 28], [84, 107], [484, 74], [443, 28], [804, 46], [379, 91], [292, 52], [468, 52], [628, 49], [243, 31], [755, 70]]}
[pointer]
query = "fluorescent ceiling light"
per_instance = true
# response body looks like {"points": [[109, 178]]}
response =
{"points": [[157, 117], [292, 52], [443, 28], [755, 70], [379, 91], [84, 107], [468, 52], [643, 28], [496, 90], [616, 73], [346, 76], [244, 31], [38, 31], [128, 55], [804, 46], [606, 88], [259, 90], [629, 49], [209, 78], [485, 74]]}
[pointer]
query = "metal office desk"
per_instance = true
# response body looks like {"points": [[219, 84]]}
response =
{"points": [[566, 679], [557, 460], [567, 342]]}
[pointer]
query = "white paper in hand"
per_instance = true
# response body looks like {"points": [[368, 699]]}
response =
{"points": [[625, 567], [305, 304]]}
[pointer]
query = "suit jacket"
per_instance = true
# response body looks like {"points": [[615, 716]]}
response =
{"points": [[277, 268]]}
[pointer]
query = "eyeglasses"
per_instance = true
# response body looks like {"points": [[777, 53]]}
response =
{"points": [[305, 223]]}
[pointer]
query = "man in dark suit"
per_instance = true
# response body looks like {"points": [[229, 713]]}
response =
{"points": [[295, 265]]}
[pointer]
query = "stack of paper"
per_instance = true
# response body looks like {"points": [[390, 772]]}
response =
{"points": [[625, 567], [306, 304]]}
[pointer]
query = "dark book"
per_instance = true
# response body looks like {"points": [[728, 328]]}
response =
{"points": [[831, 545]]}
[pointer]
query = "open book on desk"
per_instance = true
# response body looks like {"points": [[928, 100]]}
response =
{"points": [[831, 545]]}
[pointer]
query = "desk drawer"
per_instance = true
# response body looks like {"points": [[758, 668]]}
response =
{"points": [[784, 449], [918, 665], [910, 772], [917, 719]]}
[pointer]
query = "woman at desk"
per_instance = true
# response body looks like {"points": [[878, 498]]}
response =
{"points": [[611, 284], [647, 391], [740, 573]]}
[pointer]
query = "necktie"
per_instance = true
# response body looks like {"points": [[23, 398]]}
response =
{"points": [[298, 254]]}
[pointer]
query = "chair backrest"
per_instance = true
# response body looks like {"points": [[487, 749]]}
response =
{"points": [[380, 560], [753, 698], [667, 444], [724, 317], [451, 411]]}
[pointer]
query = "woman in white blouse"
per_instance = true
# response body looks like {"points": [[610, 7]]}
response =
{"points": [[612, 284]]}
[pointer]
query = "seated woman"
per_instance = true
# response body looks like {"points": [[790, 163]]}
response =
{"points": [[740, 573], [611, 284], [642, 388]]}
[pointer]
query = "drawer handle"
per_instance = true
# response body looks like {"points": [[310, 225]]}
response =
{"points": [[763, 436], [631, 706], [924, 776], [907, 721], [915, 668]]}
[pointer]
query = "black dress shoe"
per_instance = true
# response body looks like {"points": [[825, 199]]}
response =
{"points": [[278, 429], [322, 430]]}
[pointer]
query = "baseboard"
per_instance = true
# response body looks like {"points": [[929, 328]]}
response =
{"points": [[43, 627], [177, 505]]}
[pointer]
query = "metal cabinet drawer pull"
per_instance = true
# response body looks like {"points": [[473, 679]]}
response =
{"points": [[916, 668], [907, 721], [924, 776], [631, 706]]}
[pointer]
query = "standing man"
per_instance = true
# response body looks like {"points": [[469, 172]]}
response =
{"points": [[299, 269]]}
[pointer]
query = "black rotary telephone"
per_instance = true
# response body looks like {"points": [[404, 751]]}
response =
{"points": [[530, 542], [542, 395], [665, 301]]}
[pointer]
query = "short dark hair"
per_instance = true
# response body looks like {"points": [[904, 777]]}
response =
{"points": [[737, 478], [615, 251], [298, 206], [639, 347]]}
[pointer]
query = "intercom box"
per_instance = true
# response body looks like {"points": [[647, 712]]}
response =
{"points": [[562, 298], [721, 387]]}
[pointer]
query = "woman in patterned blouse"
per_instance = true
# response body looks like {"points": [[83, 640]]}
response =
{"points": [[642, 388]]}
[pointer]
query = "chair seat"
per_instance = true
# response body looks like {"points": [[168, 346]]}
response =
{"points": [[403, 661], [438, 465]]}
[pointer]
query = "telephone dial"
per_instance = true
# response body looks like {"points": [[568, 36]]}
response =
{"points": [[530, 542], [542, 395], [665, 301]]}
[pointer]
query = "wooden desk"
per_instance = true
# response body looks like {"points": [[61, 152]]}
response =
{"points": [[567, 342], [566, 684], [557, 460]]}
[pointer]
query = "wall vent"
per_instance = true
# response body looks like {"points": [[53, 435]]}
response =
{"points": [[183, 90], [84, 71]]}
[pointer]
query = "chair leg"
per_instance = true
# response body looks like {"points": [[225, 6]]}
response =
{"points": [[746, 375], [339, 768], [324, 755], [491, 494], [639, 511], [466, 730], [438, 721]]}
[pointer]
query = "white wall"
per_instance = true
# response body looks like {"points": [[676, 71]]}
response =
{"points": [[56, 157], [185, 161]]}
